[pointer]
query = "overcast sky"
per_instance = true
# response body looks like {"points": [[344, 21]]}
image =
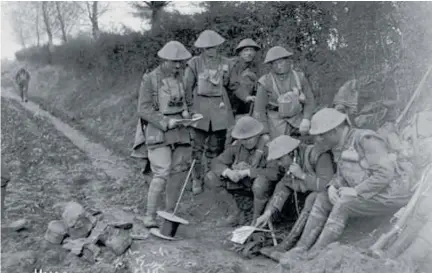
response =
{"points": [[119, 14]]}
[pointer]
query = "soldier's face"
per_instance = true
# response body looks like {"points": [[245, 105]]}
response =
{"points": [[282, 66], [285, 161], [248, 54], [250, 143], [211, 51], [328, 140], [173, 66]]}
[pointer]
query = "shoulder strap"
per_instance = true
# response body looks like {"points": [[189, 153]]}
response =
{"points": [[275, 86], [297, 79]]}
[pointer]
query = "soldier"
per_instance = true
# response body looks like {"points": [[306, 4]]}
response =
{"points": [[22, 79], [368, 181], [244, 76], [284, 101], [242, 166], [299, 168], [161, 105], [206, 79]]}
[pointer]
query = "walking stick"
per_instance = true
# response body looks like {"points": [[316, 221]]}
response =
{"points": [[184, 186], [171, 222]]}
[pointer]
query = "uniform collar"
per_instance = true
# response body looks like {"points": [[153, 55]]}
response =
{"points": [[337, 150]]}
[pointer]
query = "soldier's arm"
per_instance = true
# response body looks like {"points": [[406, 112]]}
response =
{"points": [[224, 161], [189, 80], [245, 87], [337, 181], [279, 197], [310, 104], [261, 102], [380, 165], [146, 108], [323, 174], [271, 171]]}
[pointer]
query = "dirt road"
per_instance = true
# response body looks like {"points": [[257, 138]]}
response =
{"points": [[52, 163]]}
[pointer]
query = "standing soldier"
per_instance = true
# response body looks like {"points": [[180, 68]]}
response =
{"points": [[244, 76], [161, 105], [22, 79], [206, 79], [369, 181], [300, 168], [242, 166], [284, 101]]}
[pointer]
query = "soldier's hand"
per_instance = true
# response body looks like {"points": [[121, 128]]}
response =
{"points": [[250, 98], [304, 126], [347, 192], [234, 176], [333, 194], [263, 220], [297, 171], [173, 123], [244, 173], [185, 114]]}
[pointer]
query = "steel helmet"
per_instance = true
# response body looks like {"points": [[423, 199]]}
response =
{"points": [[174, 51], [247, 127], [280, 146], [276, 53], [247, 43], [209, 38], [325, 120]]}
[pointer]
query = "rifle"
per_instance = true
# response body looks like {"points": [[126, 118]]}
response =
{"points": [[398, 227], [414, 96]]}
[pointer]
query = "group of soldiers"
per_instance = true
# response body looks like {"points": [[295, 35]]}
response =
{"points": [[254, 133]]}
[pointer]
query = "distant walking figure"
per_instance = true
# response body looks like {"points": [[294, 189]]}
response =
{"points": [[22, 79]]}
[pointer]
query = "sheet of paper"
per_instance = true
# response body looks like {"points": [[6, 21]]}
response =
{"points": [[241, 234]]}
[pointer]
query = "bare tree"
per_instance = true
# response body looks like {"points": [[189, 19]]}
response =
{"points": [[94, 11], [48, 27], [37, 24], [150, 10], [61, 21]]}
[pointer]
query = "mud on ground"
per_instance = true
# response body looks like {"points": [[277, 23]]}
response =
{"points": [[48, 170]]}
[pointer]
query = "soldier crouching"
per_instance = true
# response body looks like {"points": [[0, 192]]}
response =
{"points": [[161, 105], [242, 166], [369, 181]]}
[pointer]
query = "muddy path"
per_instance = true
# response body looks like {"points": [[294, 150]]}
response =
{"points": [[53, 163]]}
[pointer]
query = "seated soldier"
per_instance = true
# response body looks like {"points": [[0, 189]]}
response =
{"points": [[242, 166], [368, 182], [301, 168]]}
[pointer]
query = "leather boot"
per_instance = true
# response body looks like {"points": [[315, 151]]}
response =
{"points": [[173, 189], [197, 176], [311, 231], [258, 207], [331, 232], [154, 193]]}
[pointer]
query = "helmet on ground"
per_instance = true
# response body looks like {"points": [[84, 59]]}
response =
{"points": [[276, 53], [281, 146], [325, 120], [174, 51], [209, 38], [247, 127], [247, 43]]}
